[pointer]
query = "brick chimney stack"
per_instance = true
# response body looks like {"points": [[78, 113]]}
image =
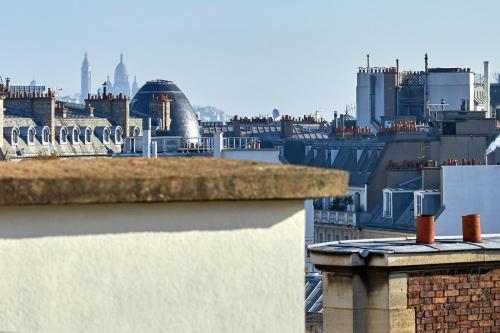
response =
{"points": [[115, 108], [159, 108]]}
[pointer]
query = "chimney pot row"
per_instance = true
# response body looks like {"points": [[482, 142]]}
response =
{"points": [[471, 229]]}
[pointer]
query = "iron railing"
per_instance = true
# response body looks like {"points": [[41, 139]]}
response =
{"points": [[177, 144], [335, 217]]}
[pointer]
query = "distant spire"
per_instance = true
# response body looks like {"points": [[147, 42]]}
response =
{"points": [[85, 60], [86, 79], [135, 87], [121, 57]]}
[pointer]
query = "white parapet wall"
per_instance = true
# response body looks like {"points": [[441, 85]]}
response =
{"points": [[257, 155], [179, 267], [155, 245]]}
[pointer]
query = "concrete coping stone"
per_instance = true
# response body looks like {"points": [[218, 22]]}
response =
{"points": [[172, 179]]}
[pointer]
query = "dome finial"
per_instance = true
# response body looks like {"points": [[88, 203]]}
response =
{"points": [[121, 57]]}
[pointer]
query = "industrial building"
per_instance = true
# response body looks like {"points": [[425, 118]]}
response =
{"points": [[386, 95]]}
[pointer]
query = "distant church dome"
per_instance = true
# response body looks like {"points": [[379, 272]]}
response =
{"points": [[121, 72], [184, 122], [121, 84]]}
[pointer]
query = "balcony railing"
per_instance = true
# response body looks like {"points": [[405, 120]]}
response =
{"points": [[334, 217], [203, 145]]}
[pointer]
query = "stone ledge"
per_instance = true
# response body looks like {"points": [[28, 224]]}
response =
{"points": [[127, 180]]}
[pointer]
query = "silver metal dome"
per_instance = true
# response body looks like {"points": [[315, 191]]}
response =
{"points": [[184, 122]]}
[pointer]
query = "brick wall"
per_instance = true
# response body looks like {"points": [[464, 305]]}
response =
{"points": [[455, 301]]}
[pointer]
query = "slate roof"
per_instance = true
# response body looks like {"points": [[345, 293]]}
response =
{"points": [[75, 117], [359, 158], [314, 293]]}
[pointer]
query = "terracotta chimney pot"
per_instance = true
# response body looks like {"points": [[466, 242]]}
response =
{"points": [[425, 229], [471, 228]]}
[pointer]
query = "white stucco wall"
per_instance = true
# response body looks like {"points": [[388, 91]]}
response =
{"points": [[179, 267], [256, 155], [469, 190]]}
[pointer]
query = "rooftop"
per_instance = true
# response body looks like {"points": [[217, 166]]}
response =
{"points": [[396, 252], [175, 179]]}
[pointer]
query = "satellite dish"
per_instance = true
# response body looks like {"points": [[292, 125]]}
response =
{"points": [[276, 114]]}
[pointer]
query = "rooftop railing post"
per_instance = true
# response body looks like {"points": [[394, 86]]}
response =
{"points": [[218, 145], [146, 139]]}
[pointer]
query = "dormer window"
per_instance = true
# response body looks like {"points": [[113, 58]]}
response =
{"points": [[106, 134], [118, 135], [387, 213], [103, 133], [75, 135], [29, 135], [45, 135], [63, 135], [426, 202], [88, 136], [14, 136]]}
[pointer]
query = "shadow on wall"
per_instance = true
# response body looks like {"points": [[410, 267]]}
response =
{"points": [[80, 220]]}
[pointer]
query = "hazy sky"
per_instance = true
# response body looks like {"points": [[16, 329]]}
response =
{"points": [[245, 57]]}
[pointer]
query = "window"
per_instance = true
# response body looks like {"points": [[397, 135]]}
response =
{"points": [[31, 136], [321, 237], [15, 136], [75, 136], [106, 135], [357, 202], [88, 136], [387, 204], [45, 136], [418, 207], [118, 135], [63, 136]]}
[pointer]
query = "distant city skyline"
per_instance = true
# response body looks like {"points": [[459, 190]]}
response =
{"points": [[244, 58]]}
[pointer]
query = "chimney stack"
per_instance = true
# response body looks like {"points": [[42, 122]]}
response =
{"points": [[486, 81]]}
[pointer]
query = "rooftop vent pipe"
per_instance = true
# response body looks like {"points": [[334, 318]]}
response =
{"points": [[425, 229], [471, 228]]}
